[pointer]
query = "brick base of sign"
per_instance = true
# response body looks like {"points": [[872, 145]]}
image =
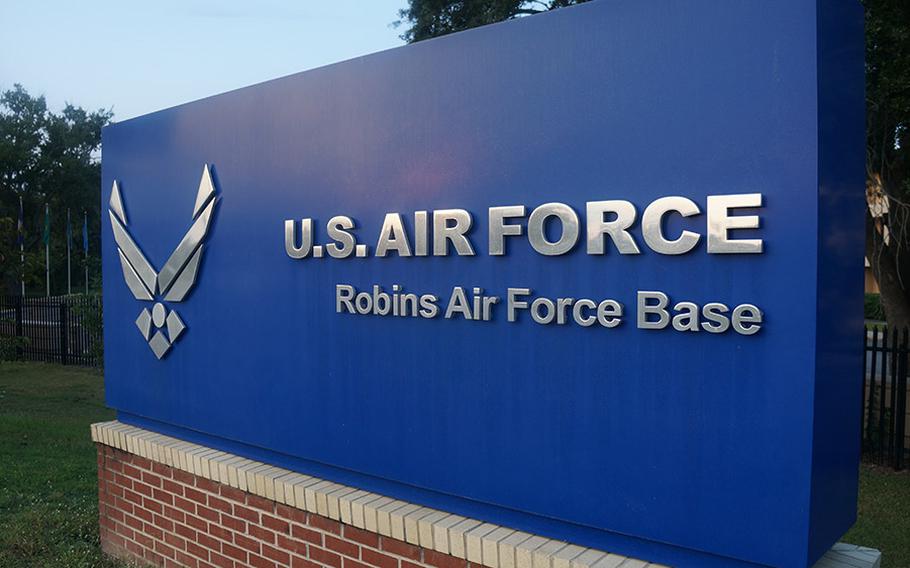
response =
{"points": [[166, 502]]}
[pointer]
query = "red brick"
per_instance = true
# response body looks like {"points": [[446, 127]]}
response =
{"points": [[152, 506], [220, 504], [196, 522], [172, 487], [221, 561], [133, 523], [153, 531], [132, 472], [206, 485], [151, 479], [342, 546], [195, 495], [262, 534], [163, 496], [185, 505], [298, 562], [185, 532], [260, 562], [122, 481], [163, 523], [221, 532], [161, 469], [324, 524], [276, 524], [155, 558], [132, 497], [348, 563], [232, 493], [296, 546], [115, 514], [144, 541], [279, 556], [246, 543], [291, 513], [409, 564], [233, 524], [378, 559], [208, 542], [233, 552], [325, 557], [196, 550], [184, 477], [185, 560], [309, 535], [260, 503], [440, 560], [247, 514], [175, 541], [208, 514], [164, 549], [400, 548], [361, 536], [143, 489], [134, 548], [142, 462], [123, 505], [173, 513], [143, 514]]}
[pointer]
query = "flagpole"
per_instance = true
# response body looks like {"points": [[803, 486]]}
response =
{"points": [[47, 249], [22, 245], [69, 268], [85, 246]]}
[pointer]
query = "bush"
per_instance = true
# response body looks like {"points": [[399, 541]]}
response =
{"points": [[9, 345], [873, 307]]}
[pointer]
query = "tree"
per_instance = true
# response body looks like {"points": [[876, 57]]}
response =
{"points": [[434, 18], [47, 158], [888, 153]]}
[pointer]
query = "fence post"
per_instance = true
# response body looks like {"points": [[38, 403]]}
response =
{"points": [[64, 336], [19, 331], [899, 410]]}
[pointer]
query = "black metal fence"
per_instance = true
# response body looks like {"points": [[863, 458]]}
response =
{"points": [[59, 329], [885, 435]]}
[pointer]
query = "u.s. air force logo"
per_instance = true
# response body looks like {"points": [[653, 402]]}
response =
{"points": [[161, 327]]}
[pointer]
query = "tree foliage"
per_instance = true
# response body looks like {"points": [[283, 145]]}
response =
{"points": [[888, 152], [47, 158], [433, 18]]}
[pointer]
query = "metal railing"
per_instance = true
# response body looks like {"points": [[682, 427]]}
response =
{"points": [[885, 436], [58, 329]]}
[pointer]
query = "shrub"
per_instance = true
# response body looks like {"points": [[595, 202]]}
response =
{"points": [[873, 307]]}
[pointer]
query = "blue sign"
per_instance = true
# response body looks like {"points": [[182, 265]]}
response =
{"points": [[593, 274]]}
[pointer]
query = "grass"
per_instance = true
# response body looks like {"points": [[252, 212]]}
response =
{"points": [[48, 492], [48, 478], [884, 515]]}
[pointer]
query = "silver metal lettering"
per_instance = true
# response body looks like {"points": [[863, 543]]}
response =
{"points": [[498, 230], [652, 230], [337, 229], [306, 238], [720, 222], [443, 233], [659, 309], [537, 224], [392, 236], [617, 229]]}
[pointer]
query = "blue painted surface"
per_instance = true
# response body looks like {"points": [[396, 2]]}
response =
{"points": [[687, 449]]}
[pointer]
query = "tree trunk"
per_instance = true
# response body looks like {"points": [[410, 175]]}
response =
{"points": [[881, 256]]}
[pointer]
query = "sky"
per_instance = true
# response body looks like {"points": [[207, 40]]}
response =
{"points": [[139, 57]]}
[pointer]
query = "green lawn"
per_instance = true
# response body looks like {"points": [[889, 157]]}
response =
{"points": [[884, 515], [48, 476], [48, 492]]}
